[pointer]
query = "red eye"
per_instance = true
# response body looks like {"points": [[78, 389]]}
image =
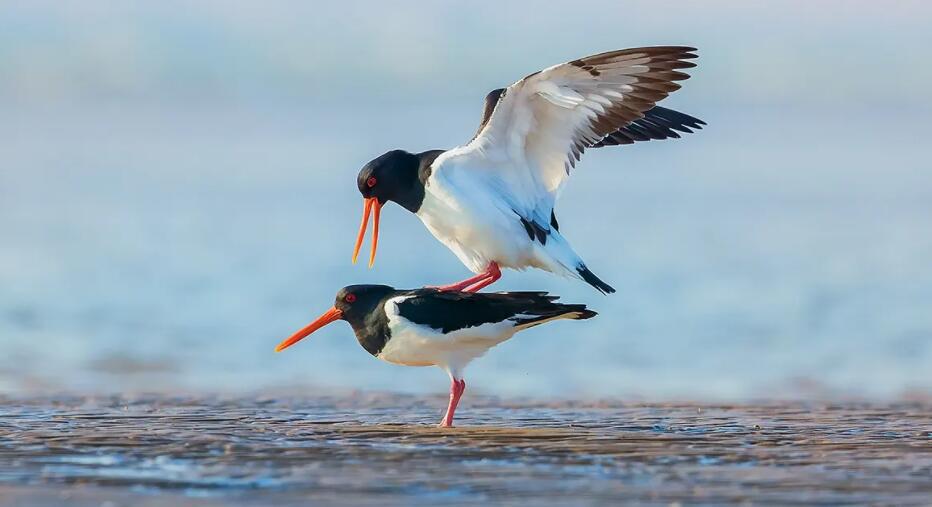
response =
{"points": [[371, 181], [350, 298]]}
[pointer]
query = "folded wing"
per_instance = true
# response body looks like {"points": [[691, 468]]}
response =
{"points": [[452, 311]]}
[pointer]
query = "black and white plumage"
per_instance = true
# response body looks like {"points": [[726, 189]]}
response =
{"points": [[429, 327], [491, 201]]}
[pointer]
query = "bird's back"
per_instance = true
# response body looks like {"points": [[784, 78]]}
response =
{"points": [[450, 329]]}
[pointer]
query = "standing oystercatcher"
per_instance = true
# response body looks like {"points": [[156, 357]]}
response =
{"points": [[491, 201], [429, 327]]}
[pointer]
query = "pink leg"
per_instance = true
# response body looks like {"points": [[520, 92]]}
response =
{"points": [[458, 286], [491, 271], [457, 387], [494, 274]]}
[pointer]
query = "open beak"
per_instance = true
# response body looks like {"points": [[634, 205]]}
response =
{"points": [[369, 205], [329, 316]]}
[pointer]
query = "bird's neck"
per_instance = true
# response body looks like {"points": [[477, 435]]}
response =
{"points": [[413, 196], [372, 331]]}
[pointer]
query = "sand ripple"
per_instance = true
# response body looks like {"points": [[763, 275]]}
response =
{"points": [[383, 449]]}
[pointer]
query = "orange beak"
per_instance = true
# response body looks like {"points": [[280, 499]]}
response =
{"points": [[370, 204], [329, 316]]}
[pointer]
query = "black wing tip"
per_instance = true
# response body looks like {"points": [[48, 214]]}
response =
{"points": [[687, 52], [590, 278], [664, 48], [675, 116], [583, 314], [655, 53], [658, 123], [550, 311], [681, 52], [576, 312]]}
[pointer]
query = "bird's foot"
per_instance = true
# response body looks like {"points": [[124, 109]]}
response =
{"points": [[475, 283], [493, 273], [459, 286], [457, 387]]}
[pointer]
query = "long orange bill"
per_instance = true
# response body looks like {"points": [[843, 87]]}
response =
{"points": [[329, 316], [376, 212], [369, 205]]}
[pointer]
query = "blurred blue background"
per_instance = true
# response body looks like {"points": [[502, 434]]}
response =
{"points": [[177, 194]]}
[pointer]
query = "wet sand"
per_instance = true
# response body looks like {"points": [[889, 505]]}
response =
{"points": [[383, 449]]}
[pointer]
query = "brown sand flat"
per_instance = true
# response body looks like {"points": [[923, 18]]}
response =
{"points": [[384, 450]]}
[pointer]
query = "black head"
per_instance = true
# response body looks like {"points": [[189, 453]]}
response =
{"points": [[358, 305], [393, 177], [358, 302]]}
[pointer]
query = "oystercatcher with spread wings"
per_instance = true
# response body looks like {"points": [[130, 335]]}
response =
{"points": [[429, 327], [492, 200]]}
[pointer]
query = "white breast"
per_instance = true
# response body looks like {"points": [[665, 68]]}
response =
{"points": [[463, 209]]}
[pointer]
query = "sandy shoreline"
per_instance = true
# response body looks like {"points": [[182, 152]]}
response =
{"points": [[383, 449]]}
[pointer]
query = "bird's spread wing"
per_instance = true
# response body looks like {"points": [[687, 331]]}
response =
{"points": [[537, 128]]}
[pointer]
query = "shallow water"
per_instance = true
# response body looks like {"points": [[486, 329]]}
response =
{"points": [[383, 449], [175, 255]]}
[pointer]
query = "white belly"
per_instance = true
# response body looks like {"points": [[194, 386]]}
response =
{"points": [[416, 345], [477, 231], [469, 208]]}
